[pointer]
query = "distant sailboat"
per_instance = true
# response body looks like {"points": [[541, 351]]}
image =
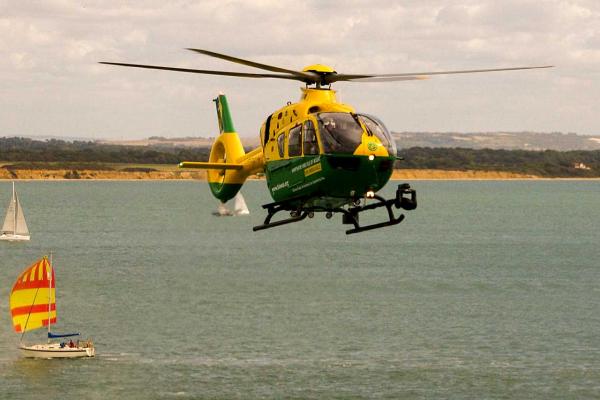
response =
{"points": [[33, 306], [15, 227], [239, 207]]}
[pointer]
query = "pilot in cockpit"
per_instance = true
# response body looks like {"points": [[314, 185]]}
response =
{"points": [[329, 124]]}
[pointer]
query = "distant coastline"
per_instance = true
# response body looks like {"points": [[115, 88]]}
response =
{"points": [[438, 174], [87, 174], [57, 159], [173, 173]]}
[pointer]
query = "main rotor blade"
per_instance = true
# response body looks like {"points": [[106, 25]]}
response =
{"points": [[208, 72], [375, 78], [272, 68], [415, 75]]}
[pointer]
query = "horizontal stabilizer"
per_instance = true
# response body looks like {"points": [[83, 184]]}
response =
{"points": [[209, 165]]}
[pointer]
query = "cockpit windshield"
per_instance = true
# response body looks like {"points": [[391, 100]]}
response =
{"points": [[340, 132], [376, 127]]}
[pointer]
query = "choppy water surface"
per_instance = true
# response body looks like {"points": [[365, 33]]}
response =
{"points": [[487, 290]]}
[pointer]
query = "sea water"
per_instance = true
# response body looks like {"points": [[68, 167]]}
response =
{"points": [[486, 290]]}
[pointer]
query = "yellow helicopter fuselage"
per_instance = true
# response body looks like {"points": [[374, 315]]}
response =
{"points": [[319, 152]]}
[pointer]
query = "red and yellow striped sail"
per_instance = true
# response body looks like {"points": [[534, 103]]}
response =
{"points": [[32, 295]]}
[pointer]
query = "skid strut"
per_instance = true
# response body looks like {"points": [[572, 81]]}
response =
{"points": [[400, 201], [406, 198]]}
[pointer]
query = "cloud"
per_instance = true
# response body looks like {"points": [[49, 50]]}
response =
{"points": [[54, 46]]}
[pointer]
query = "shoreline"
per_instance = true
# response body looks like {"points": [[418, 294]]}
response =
{"points": [[434, 174], [176, 174]]}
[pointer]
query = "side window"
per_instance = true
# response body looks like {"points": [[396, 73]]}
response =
{"points": [[295, 141], [281, 144], [311, 146]]}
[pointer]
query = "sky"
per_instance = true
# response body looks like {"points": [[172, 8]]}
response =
{"points": [[52, 85]]}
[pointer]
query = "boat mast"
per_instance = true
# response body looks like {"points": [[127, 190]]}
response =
{"points": [[49, 294]]}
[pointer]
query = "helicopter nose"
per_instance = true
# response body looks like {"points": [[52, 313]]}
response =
{"points": [[371, 146]]}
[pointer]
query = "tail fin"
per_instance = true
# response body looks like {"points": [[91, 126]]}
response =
{"points": [[223, 114], [229, 165]]}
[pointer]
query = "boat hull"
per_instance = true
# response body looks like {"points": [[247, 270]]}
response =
{"points": [[15, 238], [53, 350]]}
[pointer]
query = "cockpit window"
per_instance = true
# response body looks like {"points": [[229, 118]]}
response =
{"points": [[376, 127], [340, 132]]}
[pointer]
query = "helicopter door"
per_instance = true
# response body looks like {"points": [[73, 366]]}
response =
{"points": [[276, 168], [295, 142], [295, 155]]}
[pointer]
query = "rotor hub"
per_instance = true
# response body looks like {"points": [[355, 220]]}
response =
{"points": [[319, 69]]}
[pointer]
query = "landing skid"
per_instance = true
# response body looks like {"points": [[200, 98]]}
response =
{"points": [[406, 198]]}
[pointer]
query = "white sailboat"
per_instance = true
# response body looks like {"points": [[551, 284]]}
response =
{"points": [[14, 227], [33, 306], [239, 207]]}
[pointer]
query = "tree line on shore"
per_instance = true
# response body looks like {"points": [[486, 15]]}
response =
{"points": [[548, 163], [24, 152], [54, 150]]}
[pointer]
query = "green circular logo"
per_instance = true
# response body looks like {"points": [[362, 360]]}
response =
{"points": [[372, 146]]}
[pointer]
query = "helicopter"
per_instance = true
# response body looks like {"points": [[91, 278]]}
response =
{"points": [[318, 155]]}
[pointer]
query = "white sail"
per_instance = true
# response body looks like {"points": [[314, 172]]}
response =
{"points": [[21, 226], [239, 205], [10, 220], [14, 227]]}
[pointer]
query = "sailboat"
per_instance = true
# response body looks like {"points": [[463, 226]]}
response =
{"points": [[15, 227], [239, 207], [33, 306]]}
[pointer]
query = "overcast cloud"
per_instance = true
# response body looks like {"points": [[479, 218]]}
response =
{"points": [[53, 85]]}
